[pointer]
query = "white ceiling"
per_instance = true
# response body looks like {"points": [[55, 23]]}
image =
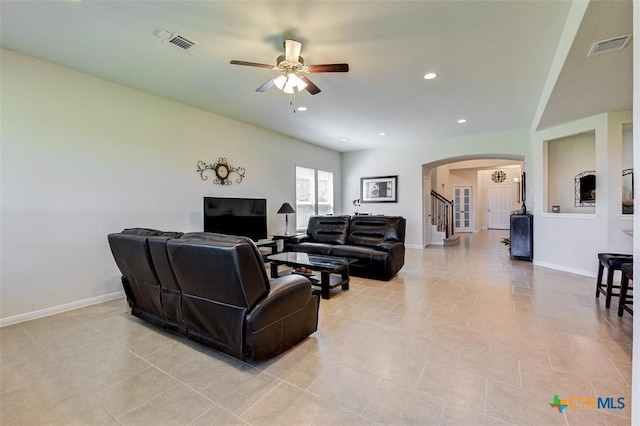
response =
{"points": [[493, 58]]}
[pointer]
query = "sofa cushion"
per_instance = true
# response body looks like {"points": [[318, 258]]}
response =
{"points": [[193, 262], [370, 231], [328, 229], [228, 239], [315, 248], [220, 281], [171, 293], [364, 255], [131, 254]]}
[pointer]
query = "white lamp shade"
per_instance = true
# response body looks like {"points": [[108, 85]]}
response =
{"points": [[290, 82]]}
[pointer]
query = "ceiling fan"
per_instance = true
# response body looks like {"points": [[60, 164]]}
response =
{"points": [[291, 65]]}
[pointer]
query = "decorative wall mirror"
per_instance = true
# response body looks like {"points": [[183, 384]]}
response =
{"points": [[627, 191], [585, 183]]}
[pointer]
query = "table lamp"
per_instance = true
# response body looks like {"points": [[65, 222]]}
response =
{"points": [[286, 209]]}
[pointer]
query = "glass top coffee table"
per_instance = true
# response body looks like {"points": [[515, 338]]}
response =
{"points": [[333, 271]]}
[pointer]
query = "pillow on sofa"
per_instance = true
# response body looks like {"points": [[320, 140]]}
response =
{"points": [[328, 229]]}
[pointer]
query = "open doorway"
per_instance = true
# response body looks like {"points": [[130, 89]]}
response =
{"points": [[482, 192]]}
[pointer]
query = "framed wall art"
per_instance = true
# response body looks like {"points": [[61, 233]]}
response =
{"points": [[379, 189]]}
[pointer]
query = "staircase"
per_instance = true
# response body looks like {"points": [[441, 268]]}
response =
{"points": [[442, 221]]}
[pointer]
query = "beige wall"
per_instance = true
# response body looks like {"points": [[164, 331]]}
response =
{"points": [[566, 158], [583, 236], [83, 157]]}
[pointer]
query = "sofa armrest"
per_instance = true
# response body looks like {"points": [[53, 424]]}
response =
{"points": [[288, 294], [396, 248], [297, 239]]}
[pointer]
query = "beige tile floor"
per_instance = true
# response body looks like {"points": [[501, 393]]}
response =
{"points": [[462, 335]]}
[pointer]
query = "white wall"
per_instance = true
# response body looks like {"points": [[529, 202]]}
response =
{"points": [[83, 157], [407, 161], [570, 241], [618, 240], [635, 380], [627, 146]]}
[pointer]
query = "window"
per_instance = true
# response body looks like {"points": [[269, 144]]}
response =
{"points": [[314, 194]]}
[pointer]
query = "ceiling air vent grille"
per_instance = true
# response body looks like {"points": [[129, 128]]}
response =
{"points": [[610, 45], [176, 40], [182, 43]]}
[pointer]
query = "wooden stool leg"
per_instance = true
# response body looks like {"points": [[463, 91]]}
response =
{"points": [[599, 281], [624, 287], [610, 272]]}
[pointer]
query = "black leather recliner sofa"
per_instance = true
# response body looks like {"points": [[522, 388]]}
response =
{"points": [[376, 242], [214, 289]]}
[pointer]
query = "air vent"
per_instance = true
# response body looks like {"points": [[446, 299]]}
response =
{"points": [[182, 42], [610, 45]]}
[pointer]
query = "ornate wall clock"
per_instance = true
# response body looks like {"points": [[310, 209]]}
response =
{"points": [[498, 176], [222, 171]]}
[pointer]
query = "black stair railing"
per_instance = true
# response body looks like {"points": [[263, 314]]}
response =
{"points": [[442, 213]]}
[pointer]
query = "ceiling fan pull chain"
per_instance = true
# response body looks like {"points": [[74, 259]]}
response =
{"points": [[292, 102]]}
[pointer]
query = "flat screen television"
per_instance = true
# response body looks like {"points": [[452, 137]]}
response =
{"points": [[245, 217]]}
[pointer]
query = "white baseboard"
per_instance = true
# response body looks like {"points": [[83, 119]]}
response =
{"points": [[59, 309], [583, 272], [414, 246]]}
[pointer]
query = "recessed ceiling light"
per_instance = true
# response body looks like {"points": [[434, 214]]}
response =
{"points": [[344, 140], [302, 109], [430, 76], [462, 121], [382, 134]]}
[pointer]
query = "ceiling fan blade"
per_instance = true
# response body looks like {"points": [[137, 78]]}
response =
{"points": [[251, 64], [266, 85], [329, 68], [292, 50], [311, 88]]}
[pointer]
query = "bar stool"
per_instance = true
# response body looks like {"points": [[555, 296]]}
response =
{"points": [[613, 262], [626, 301]]}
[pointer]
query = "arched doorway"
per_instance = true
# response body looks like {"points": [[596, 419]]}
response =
{"points": [[473, 177]]}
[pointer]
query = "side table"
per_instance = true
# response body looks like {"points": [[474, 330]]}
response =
{"points": [[271, 244], [286, 238]]}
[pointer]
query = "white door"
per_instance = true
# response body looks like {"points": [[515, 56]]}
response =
{"points": [[462, 208], [498, 208]]}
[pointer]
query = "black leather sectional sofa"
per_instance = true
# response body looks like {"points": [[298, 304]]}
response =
{"points": [[214, 289], [376, 242]]}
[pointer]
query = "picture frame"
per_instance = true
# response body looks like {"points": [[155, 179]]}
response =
{"points": [[379, 189]]}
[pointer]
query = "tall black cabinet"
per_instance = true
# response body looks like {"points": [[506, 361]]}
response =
{"points": [[521, 234]]}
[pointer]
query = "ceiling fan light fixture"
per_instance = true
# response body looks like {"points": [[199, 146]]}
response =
{"points": [[290, 83], [293, 78], [279, 82]]}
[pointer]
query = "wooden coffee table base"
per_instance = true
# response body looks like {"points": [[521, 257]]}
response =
{"points": [[328, 281], [329, 275]]}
